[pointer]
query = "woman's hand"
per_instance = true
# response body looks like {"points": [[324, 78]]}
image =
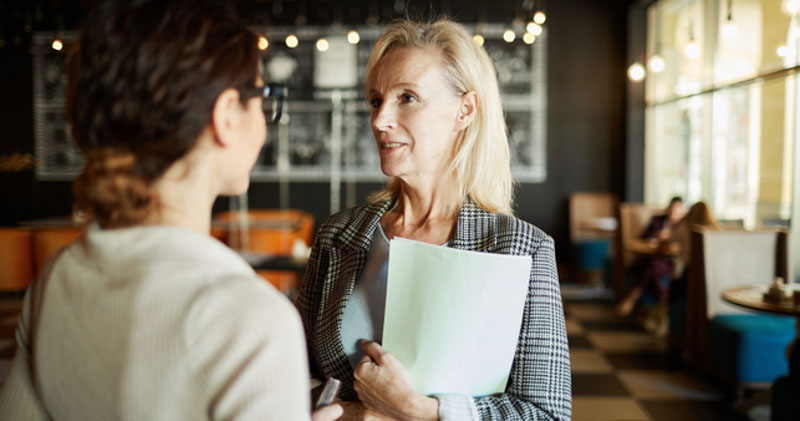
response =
{"points": [[355, 411], [383, 385], [327, 413]]}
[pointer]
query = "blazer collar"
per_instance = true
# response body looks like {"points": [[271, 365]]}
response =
{"points": [[359, 230], [476, 229]]}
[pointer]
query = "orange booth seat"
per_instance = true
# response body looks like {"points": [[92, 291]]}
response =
{"points": [[26, 250], [16, 259], [271, 232], [47, 241]]}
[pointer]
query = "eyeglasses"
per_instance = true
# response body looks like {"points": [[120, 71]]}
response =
{"points": [[273, 94]]}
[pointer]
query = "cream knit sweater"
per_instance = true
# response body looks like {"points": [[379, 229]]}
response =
{"points": [[155, 323]]}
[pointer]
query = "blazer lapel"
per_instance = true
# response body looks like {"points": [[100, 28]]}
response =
{"points": [[348, 258], [476, 229]]}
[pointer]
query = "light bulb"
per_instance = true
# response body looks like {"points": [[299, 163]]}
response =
{"points": [[729, 31], [539, 17], [353, 37], [791, 7], [509, 36], [692, 50], [478, 38], [57, 45], [636, 72], [263, 43], [656, 64], [292, 41], [783, 51], [534, 28], [528, 38], [322, 44]]}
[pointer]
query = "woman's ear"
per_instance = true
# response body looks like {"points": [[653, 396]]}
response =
{"points": [[226, 117], [467, 110]]}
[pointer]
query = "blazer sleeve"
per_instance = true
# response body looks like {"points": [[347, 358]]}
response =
{"points": [[539, 386], [308, 297]]}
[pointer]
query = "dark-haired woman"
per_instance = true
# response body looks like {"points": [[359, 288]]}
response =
{"points": [[147, 316]]}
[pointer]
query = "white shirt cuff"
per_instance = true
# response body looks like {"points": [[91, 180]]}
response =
{"points": [[457, 408]]}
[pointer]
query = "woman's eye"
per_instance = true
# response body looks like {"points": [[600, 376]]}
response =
{"points": [[408, 98], [374, 102]]}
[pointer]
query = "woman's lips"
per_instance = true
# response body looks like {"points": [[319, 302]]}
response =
{"points": [[390, 146]]}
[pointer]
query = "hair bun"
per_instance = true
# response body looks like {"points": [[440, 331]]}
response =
{"points": [[110, 190]]}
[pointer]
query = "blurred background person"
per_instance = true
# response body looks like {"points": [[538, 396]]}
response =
{"points": [[652, 271]]}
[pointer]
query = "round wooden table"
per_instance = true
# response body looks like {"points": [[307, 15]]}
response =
{"points": [[751, 296]]}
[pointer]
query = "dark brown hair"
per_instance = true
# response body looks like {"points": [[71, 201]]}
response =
{"points": [[142, 86]]}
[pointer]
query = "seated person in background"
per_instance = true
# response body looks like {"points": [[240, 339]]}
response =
{"points": [[649, 270], [680, 245], [680, 240], [146, 316], [438, 122]]}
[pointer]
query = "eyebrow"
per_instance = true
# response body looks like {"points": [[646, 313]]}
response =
{"points": [[401, 85]]}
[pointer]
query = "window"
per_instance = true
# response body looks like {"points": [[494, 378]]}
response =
{"points": [[720, 117]]}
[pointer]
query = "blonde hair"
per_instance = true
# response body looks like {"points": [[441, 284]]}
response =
{"points": [[481, 164]]}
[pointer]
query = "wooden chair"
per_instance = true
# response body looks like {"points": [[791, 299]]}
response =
{"points": [[591, 236], [16, 259]]}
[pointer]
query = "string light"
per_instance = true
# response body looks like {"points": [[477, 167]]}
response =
{"points": [[729, 31], [783, 51], [509, 36], [656, 64], [478, 38], [534, 28], [636, 72], [692, 49], [57, 45], [539, 17], [292, 41], [263, 43], [353, 37], [528, 38], [322, 44], [790, 7]]}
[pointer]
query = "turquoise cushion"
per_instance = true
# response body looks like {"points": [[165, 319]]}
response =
{"points": [[592, 253], [750, 347]]}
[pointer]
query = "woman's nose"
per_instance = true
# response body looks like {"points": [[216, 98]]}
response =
{"points": [[384, 118]]}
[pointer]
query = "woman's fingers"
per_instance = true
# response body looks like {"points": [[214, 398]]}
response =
{"points": [[328, 413], [374, 350]]}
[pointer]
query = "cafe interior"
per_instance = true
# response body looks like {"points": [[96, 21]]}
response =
{"points": [[613, 108]]}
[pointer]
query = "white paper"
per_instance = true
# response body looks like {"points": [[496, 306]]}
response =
{"points": [[453, 317]]}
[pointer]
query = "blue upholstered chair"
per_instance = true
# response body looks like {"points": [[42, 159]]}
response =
{"points": [[746, 349], [593, 223]]}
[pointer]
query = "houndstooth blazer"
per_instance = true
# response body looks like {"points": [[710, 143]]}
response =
{"points": [[539, 386]]}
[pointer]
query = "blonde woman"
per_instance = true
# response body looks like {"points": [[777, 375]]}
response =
{"points": [[439, 128]]}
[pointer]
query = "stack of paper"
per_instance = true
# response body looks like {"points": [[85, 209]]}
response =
{"points": [[453, 317]]}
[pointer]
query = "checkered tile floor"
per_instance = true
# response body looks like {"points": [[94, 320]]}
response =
{"points": [[620, 372]]}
